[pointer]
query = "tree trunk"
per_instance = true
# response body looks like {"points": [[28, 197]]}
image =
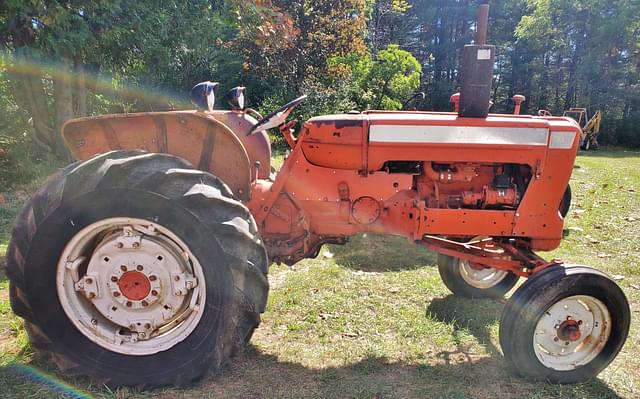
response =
{"points": [[301, 59], [28, 92], [63, 102], [80, 88]]}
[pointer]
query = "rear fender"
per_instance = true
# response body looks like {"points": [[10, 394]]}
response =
{"points": [[207, 143]]}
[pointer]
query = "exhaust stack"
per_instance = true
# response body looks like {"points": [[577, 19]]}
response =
{"points": [[476, 71]]}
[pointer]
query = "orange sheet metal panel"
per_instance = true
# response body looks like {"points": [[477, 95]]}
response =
{"points": [[548, 146], [334, 141], [465, 222], [257, 145], [310, 182], [448, 138], [200, 139]]}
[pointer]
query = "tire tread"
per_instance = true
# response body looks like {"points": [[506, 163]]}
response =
{"points": [[201, 193]]}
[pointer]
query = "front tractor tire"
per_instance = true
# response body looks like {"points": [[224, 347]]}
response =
{"points": [[564, 325], [469, 281], [135, 269]]}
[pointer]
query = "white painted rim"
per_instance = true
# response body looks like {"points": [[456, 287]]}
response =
{"points": [[481, 278], [88, 281], [595, 328]]}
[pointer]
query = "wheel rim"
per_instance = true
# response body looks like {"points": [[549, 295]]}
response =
{"points": [[131, 286], [572, 332], [481, 277]]}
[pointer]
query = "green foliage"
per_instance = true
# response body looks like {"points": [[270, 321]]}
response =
{"points": [[383, 83], [400, 5], [323, 97], [92, 57], [583, 53], [394, 77], [20, 157]]}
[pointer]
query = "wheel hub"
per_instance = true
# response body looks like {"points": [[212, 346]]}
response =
{"points": [[569, 330], [134, 285], [131, 285], [138, 285], [479, 276], [572, 332]]}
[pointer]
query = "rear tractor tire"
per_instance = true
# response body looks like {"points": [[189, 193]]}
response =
{"points": [[135, 269], [469, 281], [564, 325]]}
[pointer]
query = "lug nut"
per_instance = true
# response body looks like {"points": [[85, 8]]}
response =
{"points": [[132, 326], [145, 303], [152, 278], [114, 279], [136, 244], [123, 268], [92, 295], [89, 281], [94, 321], [154, 292], [119, 245], [129, 304], [116, 294], [147, 326], [139, 268], [177, 278]]}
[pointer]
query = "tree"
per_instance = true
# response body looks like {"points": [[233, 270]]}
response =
{"points": [[381, 83], [68, 59], [386, 22], [321, 28], [584, 55]]}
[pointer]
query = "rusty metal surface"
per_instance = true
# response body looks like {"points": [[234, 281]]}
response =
{"points": [[257, 145], [200, 138], [482, 24], [313, 197], [335, 162]]}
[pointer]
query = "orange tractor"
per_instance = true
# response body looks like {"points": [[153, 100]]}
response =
{"points": [[145, 262]]}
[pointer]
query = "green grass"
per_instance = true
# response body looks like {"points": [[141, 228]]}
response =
{"points": [[375, 321]]}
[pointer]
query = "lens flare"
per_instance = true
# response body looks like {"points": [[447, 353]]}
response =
{"points": [[30, 65], [55, 385]]}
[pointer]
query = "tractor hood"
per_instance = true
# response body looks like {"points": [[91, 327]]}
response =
{"points": [[351, 141]]}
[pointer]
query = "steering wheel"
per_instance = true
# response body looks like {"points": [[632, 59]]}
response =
{"points": [[277, 117], [544, 112]]}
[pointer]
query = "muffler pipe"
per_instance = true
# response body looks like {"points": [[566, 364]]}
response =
{"points": [[481, 24], [476, 71]]}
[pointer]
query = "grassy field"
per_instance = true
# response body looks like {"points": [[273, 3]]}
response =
{"points": [[372, 319]]}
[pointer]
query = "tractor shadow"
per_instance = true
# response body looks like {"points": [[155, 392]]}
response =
{"points": [[257, 374], [474, 317], [269, 373], [381, 253]]}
